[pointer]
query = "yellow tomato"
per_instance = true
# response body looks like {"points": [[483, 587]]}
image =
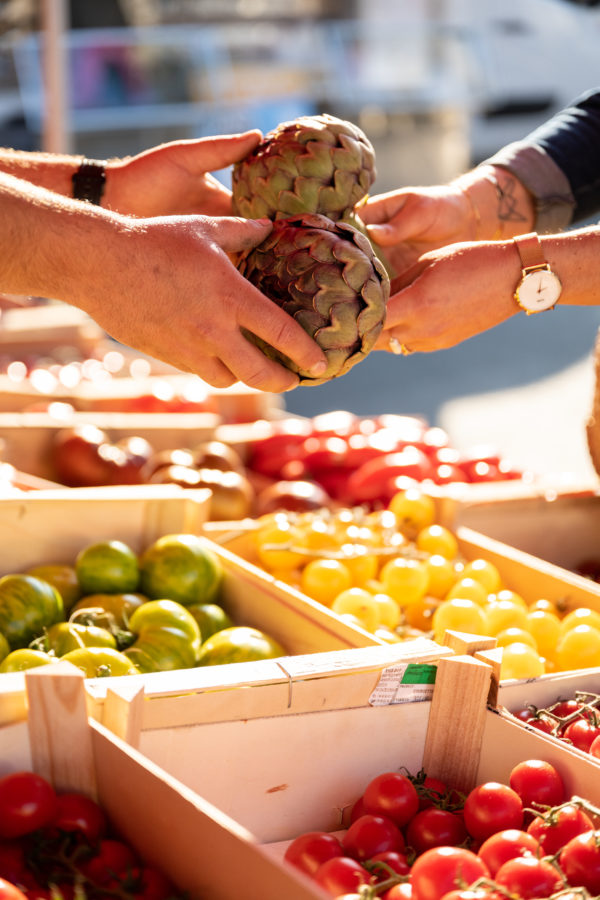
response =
{"points": [[515, 636], [437, 539], [545, 628], [414, 510], [521, 661], [583, 615], [405, 580], [579, 648], [511, 596], [470, 589], [442, 575], [324, 579], [458, 615], [485, 572], [359, 603], [274, 543], [387, 610], [502, 614]]}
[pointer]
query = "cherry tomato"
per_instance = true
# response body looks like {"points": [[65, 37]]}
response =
{"points": [[341, 875], [558, 827], [565, 708], [393, 795], [373, 479], [402, 891], [358, 809], [492, 807], [435, 827], [504, 845], [76, 812], [580, 861], [152, 884], [9, 891], [443, 869], [537, 783], [113, 858], [27, 802], [309, 851], [12, 861], [595, 748], [369, 835], [528, 877], [582, 734]]}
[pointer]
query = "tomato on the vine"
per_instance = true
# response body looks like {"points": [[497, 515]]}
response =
{"points": [[580, 861], [443, 869], [528, 877], [557, 827], [310, 850], [76, 812], [152, 884], [491, 807], [341, 875], [434, 827], [537, 783], [505, 845], [9, 891], [112, 858], [369, 835], [393, 795], [582, 734], [380, 864], [27, 802]]}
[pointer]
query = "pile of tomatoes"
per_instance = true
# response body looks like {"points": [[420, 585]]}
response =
{"points": [[60, 846], [575, 721], [415, 838]]}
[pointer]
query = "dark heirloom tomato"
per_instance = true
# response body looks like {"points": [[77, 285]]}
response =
{"points": [[65, 636], [107, 610], [100, 662], [22, 659], [27, 802], [27, 606]]}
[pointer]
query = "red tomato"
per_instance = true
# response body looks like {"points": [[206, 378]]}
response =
{"points": [[473, 894], [151, 884], [580, 861], [595, 748], [526, 714], [76, 812], [505, 845], [9, 891], [12, 861], [542, 723], [389, 859], [369, 835], [435, 827], [432, 791], [323, 453], [537, 783], [341, 875], [113, 858], [527, 877], [555, 830], [492, 807], [372, 480], [393, 795], [358, 809], [443, 869], [27, 802], [447, 473], [565, 708], [582, 734], [309, 851], [402, 891]]}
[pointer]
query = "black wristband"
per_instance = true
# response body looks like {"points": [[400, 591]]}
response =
{"points": [[88, 181]]}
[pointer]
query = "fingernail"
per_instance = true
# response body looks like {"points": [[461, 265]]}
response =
{"points": [[318, 368]]}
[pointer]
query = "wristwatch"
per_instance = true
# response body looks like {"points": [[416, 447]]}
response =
{"points": [[539, 288], [89, 180]]}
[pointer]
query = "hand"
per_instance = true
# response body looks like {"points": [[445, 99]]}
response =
{"points": [[174, 179], [452, 294], [412, 221], [167, 287]]}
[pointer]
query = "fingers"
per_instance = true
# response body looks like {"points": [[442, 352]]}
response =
{"points": [[235, 234], [381, 207], [211, 154]]}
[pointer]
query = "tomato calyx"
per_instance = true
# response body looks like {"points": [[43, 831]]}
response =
{"points": [[551, 814], [435, 793]]}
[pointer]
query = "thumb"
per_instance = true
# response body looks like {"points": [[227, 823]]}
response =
{"points": [[235, 234], [211, 154]]}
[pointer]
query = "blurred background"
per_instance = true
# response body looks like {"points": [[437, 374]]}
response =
{"points": [[437, 85]]}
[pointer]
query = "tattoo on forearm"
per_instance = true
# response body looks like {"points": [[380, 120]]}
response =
{"points": [[507, 202]]}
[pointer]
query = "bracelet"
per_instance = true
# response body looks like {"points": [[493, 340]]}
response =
{"points": [[474, 210], [89, 180]]}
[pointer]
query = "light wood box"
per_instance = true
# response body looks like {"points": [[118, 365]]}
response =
{"points": [[52, 526], [26, 439]]}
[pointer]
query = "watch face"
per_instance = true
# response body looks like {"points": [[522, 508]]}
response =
{"points": [[538, 291]]}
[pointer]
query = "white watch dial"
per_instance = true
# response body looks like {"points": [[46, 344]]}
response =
{"points": [[538, 291]]}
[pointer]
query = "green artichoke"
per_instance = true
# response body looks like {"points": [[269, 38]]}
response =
{"points": [[327, 277], [315, 164]]}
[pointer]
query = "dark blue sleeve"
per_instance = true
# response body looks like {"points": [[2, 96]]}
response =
{"points": [[572, 139]]}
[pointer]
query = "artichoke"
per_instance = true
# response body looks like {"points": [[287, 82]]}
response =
{"points": [[314, 164], [327, 277]]}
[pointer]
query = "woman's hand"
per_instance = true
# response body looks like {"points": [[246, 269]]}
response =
{"points": [[452, 294]]}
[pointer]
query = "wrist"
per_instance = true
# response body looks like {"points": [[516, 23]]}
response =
{"points": [[501, 207]]}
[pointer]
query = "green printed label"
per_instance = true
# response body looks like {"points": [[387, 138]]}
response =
{"points": [[419, 673]]}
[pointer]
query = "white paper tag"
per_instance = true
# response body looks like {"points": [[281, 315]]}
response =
{"points": [[404, 683]]}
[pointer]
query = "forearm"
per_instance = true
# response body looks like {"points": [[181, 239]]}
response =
{"points": [[575, 258], [500, 205], [51, 171], [52, 245]]}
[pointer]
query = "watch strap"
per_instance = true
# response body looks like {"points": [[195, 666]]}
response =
{"points": [[530, 251], [89, 180]]}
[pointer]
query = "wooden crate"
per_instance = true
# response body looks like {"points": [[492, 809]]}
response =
{"points": [[39, 330], [52, 526], [27, 438], [561, 528], [529, 576]]}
